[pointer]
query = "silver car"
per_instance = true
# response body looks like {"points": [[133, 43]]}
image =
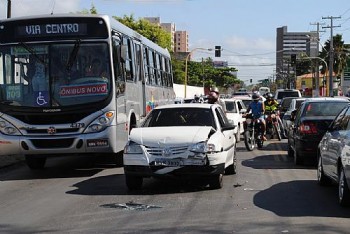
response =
{"points": [[295, 104], [334, 156]]}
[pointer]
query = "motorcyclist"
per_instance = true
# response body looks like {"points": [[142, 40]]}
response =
{"points": [[214, 97], [257, 108], [271, 105], [197, 99]]}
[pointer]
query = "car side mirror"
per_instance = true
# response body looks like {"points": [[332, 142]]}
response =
{"points": [[243, 111]]}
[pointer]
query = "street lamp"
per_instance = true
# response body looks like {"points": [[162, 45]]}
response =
{"points": [[187, 57]]}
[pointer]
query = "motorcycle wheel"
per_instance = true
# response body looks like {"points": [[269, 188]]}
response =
{"points": [[260, 143], [277, 131], [249, 140]]}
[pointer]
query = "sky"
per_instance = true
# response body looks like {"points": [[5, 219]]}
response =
{"points": [[245, 29]]}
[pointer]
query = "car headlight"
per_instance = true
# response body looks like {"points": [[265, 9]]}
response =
{"points": [[101, 122], [133, 148], [202, 147], [8, 129]]}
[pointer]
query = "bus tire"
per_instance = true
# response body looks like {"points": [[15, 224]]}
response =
{"points": [[118, 158], [35, 163]]}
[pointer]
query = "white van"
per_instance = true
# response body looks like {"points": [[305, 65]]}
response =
{"points": [[263, 90], [281, 93]]}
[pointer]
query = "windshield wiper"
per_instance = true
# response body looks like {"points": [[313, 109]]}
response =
{"points": [[73, 55], [32, 51]]}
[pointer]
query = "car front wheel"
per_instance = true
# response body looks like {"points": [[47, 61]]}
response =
{"points": [[322, 179], [343, 190], [216, 181]]}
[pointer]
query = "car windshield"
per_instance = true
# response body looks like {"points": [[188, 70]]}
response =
{"points": [[179, 117], [57, 74], [324, 108]]}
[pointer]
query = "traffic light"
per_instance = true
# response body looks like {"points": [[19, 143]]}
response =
{"points": [[251, 80], [293, 59], [217, 51]]}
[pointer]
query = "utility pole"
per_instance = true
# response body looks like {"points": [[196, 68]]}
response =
{"points": [[317, 80], [8, 8], [331, 54]]}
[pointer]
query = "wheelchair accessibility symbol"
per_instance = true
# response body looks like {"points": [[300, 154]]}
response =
{"points": [[40, 100]]}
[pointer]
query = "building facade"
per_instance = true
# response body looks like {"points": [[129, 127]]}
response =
{"points": [[179, 39], [181, 42], [291, 46]]}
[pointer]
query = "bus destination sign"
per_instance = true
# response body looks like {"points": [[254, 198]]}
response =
{"points": [[45, 30]]}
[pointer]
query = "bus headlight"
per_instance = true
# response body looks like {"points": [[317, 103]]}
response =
{"points": [[8, 129], [101, 122]]}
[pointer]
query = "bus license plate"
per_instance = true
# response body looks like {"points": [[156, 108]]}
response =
{"points": [[97, 143]]}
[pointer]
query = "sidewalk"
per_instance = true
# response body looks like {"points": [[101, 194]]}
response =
{"points": [[10, 160]]}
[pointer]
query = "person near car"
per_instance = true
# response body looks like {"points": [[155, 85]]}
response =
{"points": [[257, 108], [197, 99], [214, 98], [271, 105]]}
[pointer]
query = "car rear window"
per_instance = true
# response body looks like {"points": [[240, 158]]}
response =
{"points": [[286, 103], [283, 94], [230, 107], [324, 108]]}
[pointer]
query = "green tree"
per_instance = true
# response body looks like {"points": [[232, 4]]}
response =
{"points": [[340, 54], [203, 73], [151, 31]]}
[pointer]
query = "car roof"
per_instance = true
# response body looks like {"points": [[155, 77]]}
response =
{"points": [[187, 105], [326, 99]]}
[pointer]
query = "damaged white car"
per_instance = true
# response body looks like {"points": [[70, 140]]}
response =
{"points": [[181, 140]]}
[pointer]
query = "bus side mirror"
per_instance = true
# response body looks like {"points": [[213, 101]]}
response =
{"points": [[123, 51]]}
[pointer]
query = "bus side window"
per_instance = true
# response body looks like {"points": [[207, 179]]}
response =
{"points": [[119, 78], [129, 68], [151, 67], [145, 65]]}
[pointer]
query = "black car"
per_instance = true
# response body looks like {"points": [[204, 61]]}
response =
{"points": [[310, 122]]}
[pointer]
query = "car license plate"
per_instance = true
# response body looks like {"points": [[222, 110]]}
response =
{"points": [[195, 162], [167, 162]]}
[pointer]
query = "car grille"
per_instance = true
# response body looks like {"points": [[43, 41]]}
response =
{"points": [[160, 151]]}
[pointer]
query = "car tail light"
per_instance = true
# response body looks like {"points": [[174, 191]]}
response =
{"points": [[308, 128]]}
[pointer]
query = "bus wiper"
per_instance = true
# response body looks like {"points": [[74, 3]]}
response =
{"points": [[31, 51], [73, 55]]}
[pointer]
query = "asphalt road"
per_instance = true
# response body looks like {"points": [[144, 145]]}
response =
{"points": [[269, 194]]}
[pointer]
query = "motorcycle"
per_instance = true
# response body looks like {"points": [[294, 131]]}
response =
{"points": [[272, 125], [252, 133]]}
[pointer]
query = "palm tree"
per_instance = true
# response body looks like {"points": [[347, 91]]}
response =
{"points": [[340, 54]]}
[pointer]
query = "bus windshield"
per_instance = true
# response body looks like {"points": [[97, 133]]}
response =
{"points": [[55, 74]]}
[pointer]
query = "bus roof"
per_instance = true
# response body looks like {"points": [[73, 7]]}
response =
{"points": [[111, 22]]}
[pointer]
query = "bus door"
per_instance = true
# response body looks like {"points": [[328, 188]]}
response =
{"points": [[140, 78]]}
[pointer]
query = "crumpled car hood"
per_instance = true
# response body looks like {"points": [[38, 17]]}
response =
{"points": [[155, 136]]}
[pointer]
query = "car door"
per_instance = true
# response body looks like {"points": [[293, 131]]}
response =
{"points": [[240, 106], [331, 143], [228, 138]]}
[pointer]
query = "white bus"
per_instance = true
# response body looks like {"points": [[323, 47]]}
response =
{"points": [[76, 84]]}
